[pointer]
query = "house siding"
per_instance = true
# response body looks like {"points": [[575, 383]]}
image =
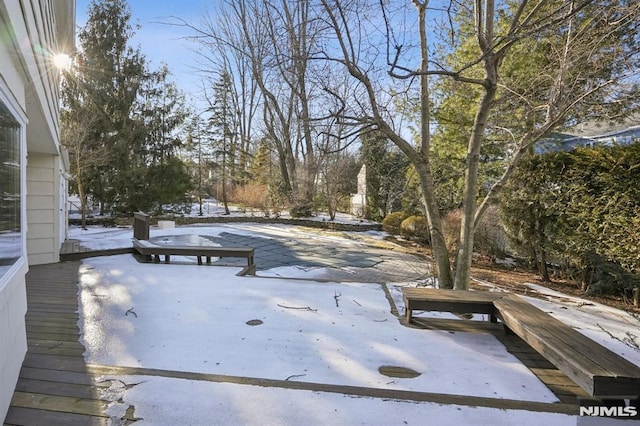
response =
{"points": [[30, 31], [43, 210], [13, 337]]}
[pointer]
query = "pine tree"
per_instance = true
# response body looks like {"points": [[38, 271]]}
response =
{"points": [[104, 85], [120, 120], [223, 121], [162, 113]]}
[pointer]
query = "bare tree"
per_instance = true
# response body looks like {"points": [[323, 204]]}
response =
{"points": [[293, 64], [223, 50], [266, 46], [76, 132], [397, 52], [577, 32]]}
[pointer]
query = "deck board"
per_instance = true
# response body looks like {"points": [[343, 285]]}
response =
{"points": [[34, 417], [55, 386], [602, 373]]}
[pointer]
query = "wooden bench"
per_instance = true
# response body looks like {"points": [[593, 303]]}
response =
{"points": [[435, 300], [153, 251], [602, 373]]}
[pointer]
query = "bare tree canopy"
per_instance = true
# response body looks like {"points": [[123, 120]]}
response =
{"points": [[587, 67], [321, 74]]}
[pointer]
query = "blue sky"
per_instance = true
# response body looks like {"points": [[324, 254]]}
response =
{"points": [[160, 42]]}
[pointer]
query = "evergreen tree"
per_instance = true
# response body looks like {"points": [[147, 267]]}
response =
{"points": [[570, 207], [120, 121], [162, 113], [386, 175], [223, 121], [530, 213], [261, 167], [104, 85]]}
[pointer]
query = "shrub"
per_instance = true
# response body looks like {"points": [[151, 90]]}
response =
{"points": [[278, 196], [489, 238], [392, 222], [608, 278], [415, 228], [301, 209], [251, 196]]}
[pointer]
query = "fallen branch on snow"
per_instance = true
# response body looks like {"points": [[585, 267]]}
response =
{"points": [[303, 308], [630, 340]]}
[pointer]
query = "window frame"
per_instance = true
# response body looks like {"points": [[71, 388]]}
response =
{"points": [[11, 104]]}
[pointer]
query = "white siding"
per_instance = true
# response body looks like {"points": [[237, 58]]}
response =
{"points": [[13, 301], [13, 338], [29, 88]]}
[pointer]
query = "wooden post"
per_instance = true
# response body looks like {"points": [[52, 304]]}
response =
{"points": [[636, 297], [141, 226]]}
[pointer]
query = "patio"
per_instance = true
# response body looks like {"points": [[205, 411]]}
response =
{"points": [[57, 386]]}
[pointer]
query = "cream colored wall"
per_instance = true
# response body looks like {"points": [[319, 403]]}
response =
{"points": [[43, 208]]}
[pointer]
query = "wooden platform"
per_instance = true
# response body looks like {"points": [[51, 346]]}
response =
{"points": [[599, 371], [55, 387], [435, 300], [602, 373], [565, 389]]}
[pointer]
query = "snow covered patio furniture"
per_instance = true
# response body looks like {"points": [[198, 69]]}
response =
{"points": [[602, 373], [150, 252]]}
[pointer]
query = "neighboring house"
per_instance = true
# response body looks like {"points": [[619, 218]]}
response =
{"points": [[591, 135], [32, 162]]}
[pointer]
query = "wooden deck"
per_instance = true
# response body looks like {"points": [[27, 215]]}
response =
{"points": [[565, 389], [600, 372], [55, 387]]}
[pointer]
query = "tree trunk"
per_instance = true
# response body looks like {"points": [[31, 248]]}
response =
{"points": [[224, 181], [587, 276], [438, 244], [83, 206], [422, 165], [491, 60], [541, 263], [464, 256], [81, 194]]}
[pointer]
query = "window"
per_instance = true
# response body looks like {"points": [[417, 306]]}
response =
{"points": [[10, 177]]}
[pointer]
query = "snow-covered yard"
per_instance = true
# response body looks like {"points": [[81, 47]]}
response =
{"points": [[191, 319]]}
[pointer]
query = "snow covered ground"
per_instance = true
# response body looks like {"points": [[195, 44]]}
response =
{"points": [[190, 319]]}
